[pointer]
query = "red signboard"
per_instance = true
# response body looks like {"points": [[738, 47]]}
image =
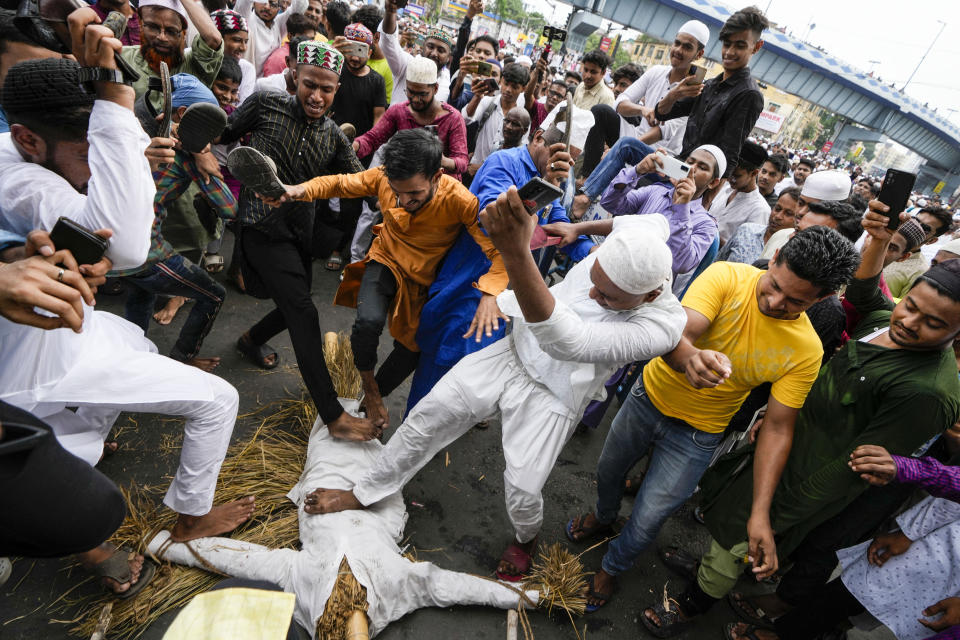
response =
{"points": [[605, 44], [827, 146]]}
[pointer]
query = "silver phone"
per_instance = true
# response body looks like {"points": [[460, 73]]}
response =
{"points": [[673, 168]]}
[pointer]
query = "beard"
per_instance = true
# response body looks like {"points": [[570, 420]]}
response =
{"points": [[154, 57]]}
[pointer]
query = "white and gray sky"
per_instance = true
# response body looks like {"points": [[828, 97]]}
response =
{"points": [[893, 33]]}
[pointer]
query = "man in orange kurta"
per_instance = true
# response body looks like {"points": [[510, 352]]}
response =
{"points": [[424, 211]]}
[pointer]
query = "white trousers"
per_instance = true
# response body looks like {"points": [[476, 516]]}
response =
{"points": [[536, 426]]}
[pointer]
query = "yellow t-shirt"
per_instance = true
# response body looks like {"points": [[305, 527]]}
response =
{"points": [[761, 349]]}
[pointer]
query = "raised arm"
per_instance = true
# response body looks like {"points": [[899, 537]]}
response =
{"points": [[372, 140], [297, 6], [204, 23]]}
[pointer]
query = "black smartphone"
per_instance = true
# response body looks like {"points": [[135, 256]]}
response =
{"points": [[537, 194], [895, 193], [698, 73], [86, 246]]}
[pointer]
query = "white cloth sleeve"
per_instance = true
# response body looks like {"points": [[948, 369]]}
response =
{"points": [[637, 90], [397, 58], [297, 6], [927, 516]]}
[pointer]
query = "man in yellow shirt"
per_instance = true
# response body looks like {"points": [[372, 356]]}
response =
{"points": [[744, 327]]}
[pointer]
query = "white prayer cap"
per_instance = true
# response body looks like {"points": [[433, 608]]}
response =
{"points": [[827, 185], [950, 247], [525, 61], [635, 256], [422, 70], [173, 5], [715, 151], [696, 29]]}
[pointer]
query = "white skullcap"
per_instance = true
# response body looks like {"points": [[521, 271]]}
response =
{"points": [[173, 5], [696, 29], [950, 247], [718, 155], [635, 256], [827, 185], [422, 70], [525, 61]]}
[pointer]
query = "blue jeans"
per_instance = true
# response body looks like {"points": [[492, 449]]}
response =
{"points": [[679, 456], [625, 151], [176, 276]]}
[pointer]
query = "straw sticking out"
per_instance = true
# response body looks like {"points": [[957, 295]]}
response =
{"points": [[339, 356], [560, 577], [347, 596]]}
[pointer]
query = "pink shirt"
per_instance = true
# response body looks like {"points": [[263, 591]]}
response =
{"points": [[450, 128], [276, 62]]}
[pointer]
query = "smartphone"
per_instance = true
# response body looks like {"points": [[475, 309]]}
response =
{"points": [[492, 85], [698, 73], [537, 194], [895, 192], [359, 49], [86, 246], [673, 168], [484, 69]]}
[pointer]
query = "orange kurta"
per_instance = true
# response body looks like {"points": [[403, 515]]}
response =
{"points": [[410, 245]]}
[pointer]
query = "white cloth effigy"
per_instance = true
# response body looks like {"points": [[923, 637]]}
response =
{"points": [[366, 538]]}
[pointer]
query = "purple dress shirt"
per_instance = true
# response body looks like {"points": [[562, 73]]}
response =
{"points": [[939, 480]]}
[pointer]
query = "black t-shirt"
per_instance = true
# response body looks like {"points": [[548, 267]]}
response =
{"points": [[357, 97]]}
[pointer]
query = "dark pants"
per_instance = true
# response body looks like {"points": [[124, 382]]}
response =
{"points": [[346, 222], [53, 503], [823, 611], [377, 292], [286, 272], [176, 276], [605, 132]]}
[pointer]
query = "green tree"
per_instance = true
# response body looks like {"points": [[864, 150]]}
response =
{"points": [[809, 132]]}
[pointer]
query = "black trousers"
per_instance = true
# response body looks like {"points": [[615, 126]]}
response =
{"points": [[828, 607], [605, 132], [52, 503], [377, 292], [286, 271]]}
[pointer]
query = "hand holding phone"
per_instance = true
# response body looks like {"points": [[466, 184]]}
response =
{"points": [[537, 194], [484, 69], [697, 74], [86, 246], [895, 193]]}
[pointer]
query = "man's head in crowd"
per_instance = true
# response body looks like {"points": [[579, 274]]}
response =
{"points": [[516, 122], [187, 91], [227, 85], [572, 79], [783, 214], [632, 266], [356, 32], [16, 47], [314, 12], [804, 168], [624, 77], [556, 93], [707, 164], [935, 221], [318, 76], [495, 71], [928, 317], [829, 185], [513, 81], [300, 25], [813, 265], [908, 238], [773, 171], [948, 251], [421, 83], [411, 162], [842, 216], [689, 44], [741, 37], [292, 46], [233, 27], [524, 61], [437, 46], [163, 32], [593, 66], [49, 113], [866, 189], [266, 11], [336, 16], [370, 16], [484, 47], [744, 177]]}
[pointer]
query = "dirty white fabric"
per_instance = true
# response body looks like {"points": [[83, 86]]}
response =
{"points": [[539, 380], [368, 539], [928, 572]]}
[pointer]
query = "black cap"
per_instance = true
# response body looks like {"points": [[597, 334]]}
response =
{"points": [[37, 86]]}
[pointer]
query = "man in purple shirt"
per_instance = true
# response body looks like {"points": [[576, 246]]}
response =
{"points": [[131, 35]]}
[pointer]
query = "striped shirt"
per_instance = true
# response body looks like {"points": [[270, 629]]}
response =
{"points": [[302, 148], [937, 479]]}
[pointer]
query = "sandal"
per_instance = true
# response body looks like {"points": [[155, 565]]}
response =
{"points": [[255, 171], [587, 534], [602, 597], [334, 262], [679, 561], [520, 559], [670, 622], [747, 611], [200, 125], [117, 567], [750, 632], [258, 354], [631, 485], [212, 262]]}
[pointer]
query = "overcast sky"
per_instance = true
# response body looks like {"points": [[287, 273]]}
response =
{"points": [[895, 34]]}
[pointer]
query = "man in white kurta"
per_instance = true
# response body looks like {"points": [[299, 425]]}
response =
{"points": [[266, 35], [80, 382], [434, 48], [614, 307]]}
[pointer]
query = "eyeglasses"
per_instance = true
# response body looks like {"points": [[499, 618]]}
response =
{"points": [[417, 94], [153, 28]]}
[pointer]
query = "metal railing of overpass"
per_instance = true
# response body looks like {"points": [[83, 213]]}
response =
{"points": [[804, 71]]}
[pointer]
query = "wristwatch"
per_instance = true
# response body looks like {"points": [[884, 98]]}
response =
{"points": [[100, 74]]}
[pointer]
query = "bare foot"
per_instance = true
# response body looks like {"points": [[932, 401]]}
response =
{"points": [[348, 427], [221, 519], [581, 202], [508, 568], [89, 559], [205, 364], [742, 631], [762, 607], [330, 501], [604, 585], [169, 311], [373, 401], [110, 447]]}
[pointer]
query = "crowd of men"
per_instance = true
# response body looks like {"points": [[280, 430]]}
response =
{"points": [[765, 304]]}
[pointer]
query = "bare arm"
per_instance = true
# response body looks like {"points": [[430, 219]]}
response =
{"points": [[204, 23]]}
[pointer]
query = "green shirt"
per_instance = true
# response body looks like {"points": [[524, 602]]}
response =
{"points": [[866, 394], [381, 67], [201, 61]]}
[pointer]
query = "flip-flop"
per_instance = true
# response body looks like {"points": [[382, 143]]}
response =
{"points": [[670, 623], [200, 125], [604, 598], [519, 559], [739, 603], [255, 171], [750, 633], [334, 263], [212, 262], [679, 561], [258, 354], [117, 567], [589, 533]]}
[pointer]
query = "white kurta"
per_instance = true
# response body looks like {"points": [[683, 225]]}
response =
{"points": [[263, 39], [898, 592], [745, 207], [398, 59], [648, 90], [368, 539]]}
